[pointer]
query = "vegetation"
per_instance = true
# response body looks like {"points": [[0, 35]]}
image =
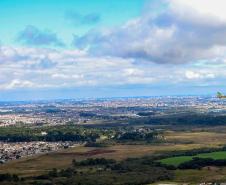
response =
{"points": [[9, 177], [73, 133], [198, 163], [91, 162], [137, 136], [124, 172], [58, 133], [150, 113], [183, 119], [93, 171], [102, 159], [176, 161]]}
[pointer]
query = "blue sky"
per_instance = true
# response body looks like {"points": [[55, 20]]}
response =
{"points": [[52, 49], [51, 15]]}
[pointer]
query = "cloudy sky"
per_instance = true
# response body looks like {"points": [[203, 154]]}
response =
{"points": [[53, 49]]}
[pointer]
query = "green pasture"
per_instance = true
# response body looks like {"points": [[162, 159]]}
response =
{"points": [[181, 159]]}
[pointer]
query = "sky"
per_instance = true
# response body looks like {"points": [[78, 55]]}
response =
{"points": [[57, 49]]}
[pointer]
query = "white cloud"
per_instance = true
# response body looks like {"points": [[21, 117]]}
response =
{"points": [[186, 31], [193, 75], [133, 72], [16, 83], [184, 44], [206, 8], [73, 69]]}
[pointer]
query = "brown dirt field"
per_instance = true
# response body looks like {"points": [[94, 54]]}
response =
{"points": [[94, 152]]}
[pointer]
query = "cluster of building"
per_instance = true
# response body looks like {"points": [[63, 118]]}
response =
{"points": [[11, 151], [13, 119], [63, 112]]}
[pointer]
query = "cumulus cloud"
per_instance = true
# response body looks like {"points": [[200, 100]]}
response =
{"points": [[79, 19], [16, 83], [144, 51], [198, 75], [51, 68], [183, 32], [35, 37]]}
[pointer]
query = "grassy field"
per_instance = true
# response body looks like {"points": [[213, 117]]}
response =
{"points": [[209, 139], [175, 161], [181, 159]]}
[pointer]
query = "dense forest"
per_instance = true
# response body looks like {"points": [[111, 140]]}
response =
{"points": [[75, 133], [182, 119]]}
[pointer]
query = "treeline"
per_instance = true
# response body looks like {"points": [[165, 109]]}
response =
{"points": [[198, 163], [150, 113], [51, 136], [9, 177], [192, 152], [91, 162], [195, 163], [106, 172], [58, 133], [70, 136], [184, 119], [73, 133], [137, 136]]}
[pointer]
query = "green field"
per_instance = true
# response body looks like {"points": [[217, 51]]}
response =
{"points": [[181, 159]]}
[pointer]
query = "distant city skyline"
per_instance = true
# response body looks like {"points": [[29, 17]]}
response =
{"points": [[55, 49]]}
